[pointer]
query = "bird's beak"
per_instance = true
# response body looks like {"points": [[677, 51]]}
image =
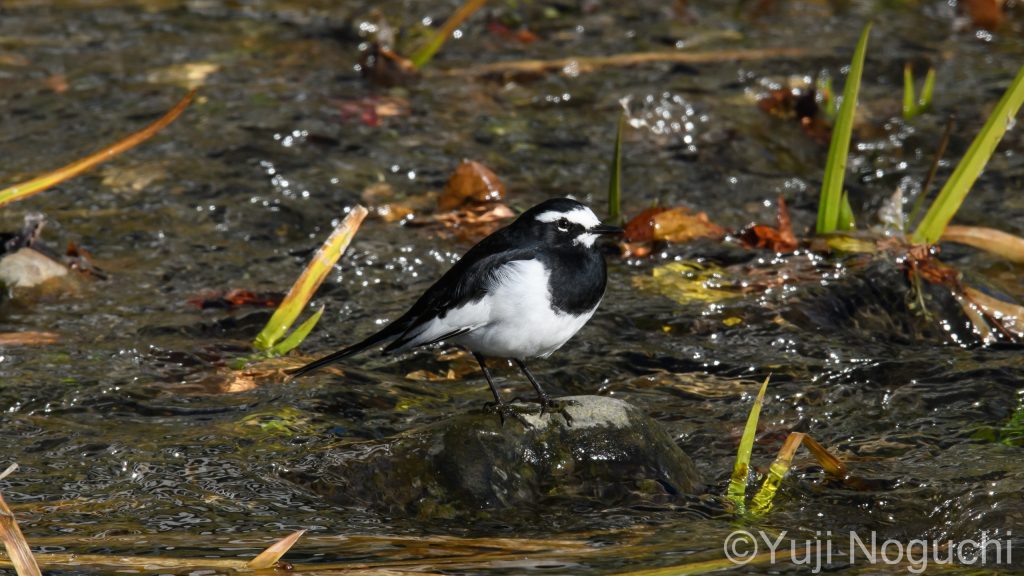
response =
{"points": [[606, 229]]}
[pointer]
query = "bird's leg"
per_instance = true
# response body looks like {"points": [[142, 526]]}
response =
{"points": [[500, 406], [547, 404]]}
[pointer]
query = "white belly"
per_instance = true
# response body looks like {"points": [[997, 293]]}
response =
{"points": [[515, 320]]}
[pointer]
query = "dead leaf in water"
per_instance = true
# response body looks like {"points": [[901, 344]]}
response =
{"points": [[57, 82], [671, 225], [522, 35], [475, 222], [28, 338], [372, 110], [799, 104], [687, 282], [235, 298], [427, 375], [990, 240], [1006, 316], [781, 239], [471, 182], [987, 14]]}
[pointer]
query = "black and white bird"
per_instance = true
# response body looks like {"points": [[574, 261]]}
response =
{"points": [[521, 293]]}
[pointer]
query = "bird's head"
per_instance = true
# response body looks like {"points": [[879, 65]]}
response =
{"points": [[565, 222]]}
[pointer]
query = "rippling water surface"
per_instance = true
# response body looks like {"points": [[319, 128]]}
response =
{"points": [[132, 439]]}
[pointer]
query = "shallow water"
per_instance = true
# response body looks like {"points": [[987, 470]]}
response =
{"points": [[129, 441]]}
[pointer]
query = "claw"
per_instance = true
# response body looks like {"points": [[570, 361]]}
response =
{"points": [[550, 405], [505, 409]]}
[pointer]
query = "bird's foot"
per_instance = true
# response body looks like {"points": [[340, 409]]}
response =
{"points": [[509, 410], [549, 405]]}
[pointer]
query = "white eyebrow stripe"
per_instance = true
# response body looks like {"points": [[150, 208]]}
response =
{"points": [[582, 216]]}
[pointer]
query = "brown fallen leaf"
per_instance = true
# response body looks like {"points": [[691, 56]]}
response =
{"points": [[28, 338], [372, 110], [57, 82], [234, 299], [636, 249], [427, 375], [932, 270], [475, 222], [14, 60], [987, 14], [781, 239], [1006, 316], [269, 557], [801, 105], [671, 225], [988, 239], [472, 182], [519, 34]]}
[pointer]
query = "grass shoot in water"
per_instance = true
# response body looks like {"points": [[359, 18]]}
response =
{"points": [[269, 339], [970, 167], [914, 106], [831, 201]]}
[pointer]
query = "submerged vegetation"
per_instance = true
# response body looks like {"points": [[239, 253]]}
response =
{"points": [[141, 451]]}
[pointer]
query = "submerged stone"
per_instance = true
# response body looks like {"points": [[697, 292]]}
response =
{"points": [[612, 451]]}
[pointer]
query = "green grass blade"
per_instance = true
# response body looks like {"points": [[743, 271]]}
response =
{"points": [[970, 167], [425, 54], [925, 101], [762, 501], [309, 280], [615, 177], [835, 168], [909, 99], [737, 490], [829, 99], [846, 220], [295, 338]]}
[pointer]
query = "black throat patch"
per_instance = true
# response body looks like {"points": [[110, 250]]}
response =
{"points": [[578, 278]]}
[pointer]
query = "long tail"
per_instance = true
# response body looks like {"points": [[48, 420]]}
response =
{"points": [[390, 331]]}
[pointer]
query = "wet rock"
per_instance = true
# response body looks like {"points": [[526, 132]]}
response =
{"points": [[612, 452], [27, 268]]}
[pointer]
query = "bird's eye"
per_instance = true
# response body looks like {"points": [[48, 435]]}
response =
{"points": [[563, 224]]}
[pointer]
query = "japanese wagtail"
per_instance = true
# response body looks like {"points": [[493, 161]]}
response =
{"points": [[521, 293]]}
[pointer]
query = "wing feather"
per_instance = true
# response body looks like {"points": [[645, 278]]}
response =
{"points": [[451, 309]]}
